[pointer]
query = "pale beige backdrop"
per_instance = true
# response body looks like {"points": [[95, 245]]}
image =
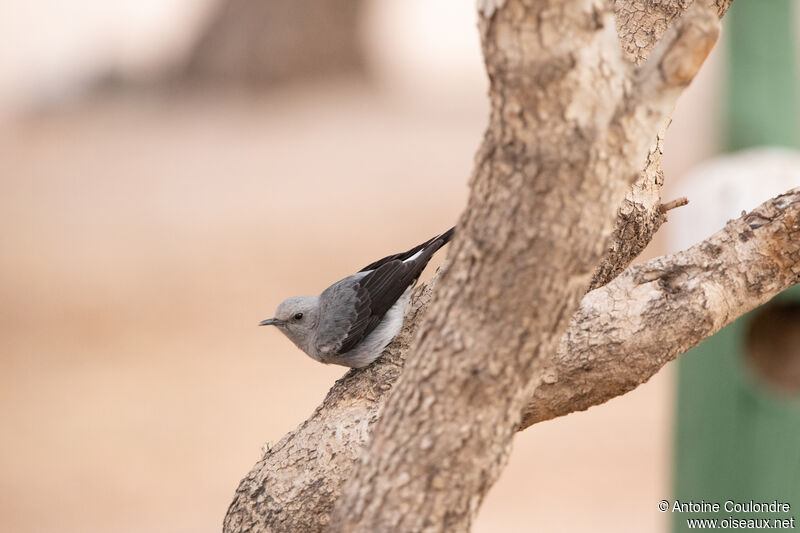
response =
{"points": [[142, 239]]}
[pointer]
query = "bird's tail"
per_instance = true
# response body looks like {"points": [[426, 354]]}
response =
{"points": [[438, 241], [426, 250], [446, 236]]}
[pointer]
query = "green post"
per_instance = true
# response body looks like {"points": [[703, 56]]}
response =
{"points": [[736, 439], [762, 92]]}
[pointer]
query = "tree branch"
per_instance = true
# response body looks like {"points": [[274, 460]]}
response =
{"points": [[640, 26], [618, 338], [673, 204], [616, 341], [570, 131]]}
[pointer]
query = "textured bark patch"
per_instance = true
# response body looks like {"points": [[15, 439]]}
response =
{"points": [[683, 61], [701, 290]]}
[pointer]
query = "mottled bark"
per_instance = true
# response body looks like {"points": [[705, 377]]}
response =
{"points": [[569, 131], [573, 130], [638, 219], [619, 337], [640, 26]]}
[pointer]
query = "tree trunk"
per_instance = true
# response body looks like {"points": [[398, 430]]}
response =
{"points": [[617, 340], [569, 131], [574, 133]]}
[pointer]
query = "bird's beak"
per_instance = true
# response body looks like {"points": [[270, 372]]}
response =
{"points": [[269, 322]]}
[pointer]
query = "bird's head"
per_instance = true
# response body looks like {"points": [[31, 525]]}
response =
{"points": [[296, 317]]}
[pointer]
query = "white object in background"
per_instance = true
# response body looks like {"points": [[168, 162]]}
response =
{"points": [[427, 52], [52, 49], [721, 188]]}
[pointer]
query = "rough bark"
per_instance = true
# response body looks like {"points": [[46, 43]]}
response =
{"points": [[571, 130], [616, 341], [640, 26], [618, 338], [638, 218]]}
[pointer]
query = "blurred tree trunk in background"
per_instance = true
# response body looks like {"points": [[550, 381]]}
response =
{"points": [[259, 42]]}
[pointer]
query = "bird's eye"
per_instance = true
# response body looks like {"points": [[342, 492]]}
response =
{"points": [[298, 316]]}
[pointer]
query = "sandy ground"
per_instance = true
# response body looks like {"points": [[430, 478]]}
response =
{"points": [[141, 241]]}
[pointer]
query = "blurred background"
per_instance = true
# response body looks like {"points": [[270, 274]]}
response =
{"points": [[171, 169]]}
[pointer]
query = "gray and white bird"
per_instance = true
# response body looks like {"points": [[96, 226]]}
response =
{"points": [[353, 320]]}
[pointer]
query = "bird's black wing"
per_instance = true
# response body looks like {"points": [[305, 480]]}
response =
{"points": [[377, 291], [445, 238]]}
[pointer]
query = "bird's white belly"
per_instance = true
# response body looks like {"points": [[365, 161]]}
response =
{"points": [[372, 346]]}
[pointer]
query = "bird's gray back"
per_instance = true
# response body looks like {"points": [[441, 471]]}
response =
{"points": [[338, 306]]}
